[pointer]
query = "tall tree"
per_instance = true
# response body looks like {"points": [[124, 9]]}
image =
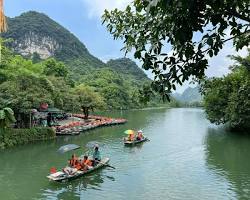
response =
{"points": [[55, 68], [194, 30], [87, 99]]}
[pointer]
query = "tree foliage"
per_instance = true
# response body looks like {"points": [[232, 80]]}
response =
{"points": [[118, 81], [87, 99], [55, 68], [24, 85], [6, 117], [227, 100], [194, 30]]}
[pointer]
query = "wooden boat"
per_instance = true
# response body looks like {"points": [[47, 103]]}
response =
{"points": [[131, 143], [64, 177]]}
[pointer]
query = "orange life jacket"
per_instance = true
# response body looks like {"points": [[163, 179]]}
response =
{"points": [[87, 162], [78, 166], [73, 161]]}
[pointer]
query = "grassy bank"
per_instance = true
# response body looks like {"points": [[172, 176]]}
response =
{"points": [[13, 137]]}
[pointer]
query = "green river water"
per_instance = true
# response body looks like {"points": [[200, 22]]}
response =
{"points": [[187, 158]]}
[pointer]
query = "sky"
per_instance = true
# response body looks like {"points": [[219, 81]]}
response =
{"points": [[83, 19]]}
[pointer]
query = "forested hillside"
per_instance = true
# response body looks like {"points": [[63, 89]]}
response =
{"points": [[34, 35], [128, 68], [55, 64]]}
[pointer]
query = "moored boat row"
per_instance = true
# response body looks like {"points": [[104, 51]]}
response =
{"points": [[76, 127]]}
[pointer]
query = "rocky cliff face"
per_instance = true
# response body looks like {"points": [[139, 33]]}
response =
{"points": [[34, 43], [34, 32]]}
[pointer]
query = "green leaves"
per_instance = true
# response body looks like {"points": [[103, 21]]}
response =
{"points": [[6, 117], [150, 23], [87, 98], [55, 68], [226, 99]]}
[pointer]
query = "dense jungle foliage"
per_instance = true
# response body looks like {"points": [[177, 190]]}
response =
{"points": [[227, 99], [24, 85]]}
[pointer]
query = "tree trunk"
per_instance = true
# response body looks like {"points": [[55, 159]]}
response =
{"points": [[85, 112]]}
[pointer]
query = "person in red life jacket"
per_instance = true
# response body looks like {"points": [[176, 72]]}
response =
{"points": [[86, 164], [78, 165], [73, 161]]}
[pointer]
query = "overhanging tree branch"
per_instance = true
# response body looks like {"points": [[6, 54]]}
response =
{"points": [[237, 15]]}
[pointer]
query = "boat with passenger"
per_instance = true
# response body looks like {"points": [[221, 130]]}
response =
{"points": [[133, 139], [64, 176]]}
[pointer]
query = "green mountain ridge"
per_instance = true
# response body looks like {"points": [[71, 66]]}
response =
{"points": [[35, 34], [127, 67]]}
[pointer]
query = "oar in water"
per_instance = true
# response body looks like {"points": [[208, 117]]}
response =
{"points": [[105, 164]]}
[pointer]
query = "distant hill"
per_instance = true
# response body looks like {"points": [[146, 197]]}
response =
{"points": [[190, 95], [34, 34], [127, 67], [38, 37]]}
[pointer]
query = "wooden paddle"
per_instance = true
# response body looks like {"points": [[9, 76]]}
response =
{"points": [[105, 164]]}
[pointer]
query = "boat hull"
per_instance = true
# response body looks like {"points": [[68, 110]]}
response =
{"points": [[62, 177], [132, 143]]}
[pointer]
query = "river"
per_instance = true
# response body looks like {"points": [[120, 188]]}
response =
{"points": [[187, 158]]}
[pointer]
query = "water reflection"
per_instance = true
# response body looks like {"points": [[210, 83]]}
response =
{"points": [[75, 189], [226, 154]]}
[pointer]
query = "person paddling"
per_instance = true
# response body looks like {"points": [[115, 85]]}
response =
{"points": [[96, 155]]}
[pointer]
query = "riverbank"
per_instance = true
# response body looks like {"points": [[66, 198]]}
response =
{"points": [[72, 126], [77, 124], [13, 137]]}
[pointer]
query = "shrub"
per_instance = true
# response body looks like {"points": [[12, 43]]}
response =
{"points": [[12, 137]]}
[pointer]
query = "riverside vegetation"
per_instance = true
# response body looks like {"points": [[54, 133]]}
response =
{"points": [[24, 85], [226, 99], [147, 26], [67, 78]]}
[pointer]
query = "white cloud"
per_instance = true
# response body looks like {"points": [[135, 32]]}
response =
{"points": [[219, 65], [97, 7]]}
